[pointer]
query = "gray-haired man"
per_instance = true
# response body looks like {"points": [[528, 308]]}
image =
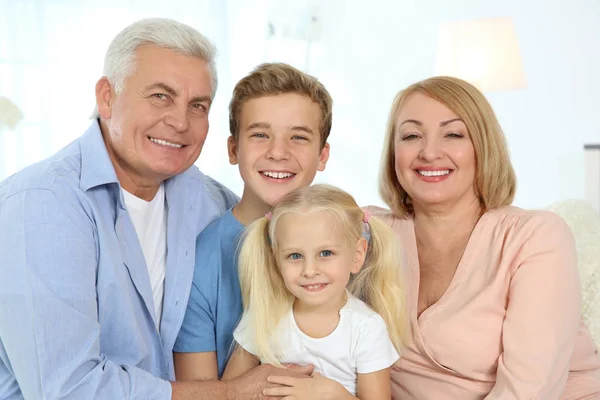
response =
{"points": [[97, 242]]}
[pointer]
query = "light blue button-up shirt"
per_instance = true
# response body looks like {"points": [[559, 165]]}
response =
{"points": [[76, 311]]}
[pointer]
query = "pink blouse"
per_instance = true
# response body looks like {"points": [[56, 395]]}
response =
{"points": [[509, 325]]}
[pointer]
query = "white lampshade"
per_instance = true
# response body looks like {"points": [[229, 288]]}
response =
{"points": [[483, 52], [10, 115]]}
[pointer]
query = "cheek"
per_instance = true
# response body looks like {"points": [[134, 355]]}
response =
{"points": [[402, 164], [288, 275], [466, 157], [201, 131], [402, 157], [307, 158]]}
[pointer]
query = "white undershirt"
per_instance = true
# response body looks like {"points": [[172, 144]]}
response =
{"points": [[150, 222]]}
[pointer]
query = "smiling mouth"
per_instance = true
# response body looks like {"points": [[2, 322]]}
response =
{"points": [[166, 143], [315, 287], [442, 172], [277, 175]]}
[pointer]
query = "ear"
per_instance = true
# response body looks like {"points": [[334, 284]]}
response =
{"points": [[359, 255], [323, 157], [232, 148], [105, 96]]}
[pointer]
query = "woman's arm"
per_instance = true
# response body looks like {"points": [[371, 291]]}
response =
{"points": [[540, 326], [240, 362], [374, 386], [196, 366]]}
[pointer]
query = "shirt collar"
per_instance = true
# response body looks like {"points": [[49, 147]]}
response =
{"points": [[96, 166]]}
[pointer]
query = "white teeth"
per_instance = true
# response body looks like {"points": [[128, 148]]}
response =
{"points": [[277, 175], [165, 143], [434, 173], [312, 287]]}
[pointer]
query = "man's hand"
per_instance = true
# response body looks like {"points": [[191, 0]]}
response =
{"points": [[318, 388], [251, 385]]}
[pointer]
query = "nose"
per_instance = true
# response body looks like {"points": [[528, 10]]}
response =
{"points": [[177, 118], [309, 269], [278, 149], [431, 150]]}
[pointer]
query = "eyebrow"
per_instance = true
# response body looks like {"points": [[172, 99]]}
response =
{"points": [[265, 125], [259, 125], [174, 93], [419, 123], [302, 128]]}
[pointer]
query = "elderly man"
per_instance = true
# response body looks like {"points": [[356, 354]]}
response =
{"points": [[97, 242]]}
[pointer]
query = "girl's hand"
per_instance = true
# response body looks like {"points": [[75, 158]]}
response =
{"points": [[315, 388]]}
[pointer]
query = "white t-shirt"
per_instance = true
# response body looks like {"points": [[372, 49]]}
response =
{"points": [[150, 222], [359, 344]]}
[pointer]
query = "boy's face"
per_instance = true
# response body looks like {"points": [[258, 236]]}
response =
{"points": [[278, 147]]}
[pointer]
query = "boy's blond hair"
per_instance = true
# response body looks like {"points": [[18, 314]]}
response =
{"points": [[271, 79]]}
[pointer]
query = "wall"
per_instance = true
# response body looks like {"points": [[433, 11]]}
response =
{"points": [[371, 50], [368, 51]]}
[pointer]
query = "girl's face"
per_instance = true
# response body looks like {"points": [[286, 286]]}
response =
{"points": [[316, 259]]}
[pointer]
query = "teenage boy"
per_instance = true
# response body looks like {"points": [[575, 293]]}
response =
{"points": [[279, 119]]}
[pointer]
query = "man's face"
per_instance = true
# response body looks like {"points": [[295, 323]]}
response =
{"points": [[157, 125]]}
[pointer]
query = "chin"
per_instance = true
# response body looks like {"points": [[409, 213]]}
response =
{"points": [[271, 201]]}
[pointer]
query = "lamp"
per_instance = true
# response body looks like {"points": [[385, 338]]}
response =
{"points": [[483, 52], [10, 115], [293, 29]]}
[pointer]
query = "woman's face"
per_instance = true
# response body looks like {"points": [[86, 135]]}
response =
{"points": [[434, 155]]}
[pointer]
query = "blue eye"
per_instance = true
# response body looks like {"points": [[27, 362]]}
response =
{"points": [[160, 96], [326, 253], [295, 256], [299, 137], [259, 135]]}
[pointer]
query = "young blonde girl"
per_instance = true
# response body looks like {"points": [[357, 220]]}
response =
{"points": [[321, 285]]}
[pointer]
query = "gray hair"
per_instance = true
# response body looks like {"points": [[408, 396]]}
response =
{"points": [[120, 58]]}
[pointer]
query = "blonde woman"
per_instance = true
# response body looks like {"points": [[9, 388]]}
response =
{"points": [[492, 290], [320, 286]]}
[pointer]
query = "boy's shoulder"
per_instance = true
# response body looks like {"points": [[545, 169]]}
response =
{"points": [[223, 231], [216, 247]]}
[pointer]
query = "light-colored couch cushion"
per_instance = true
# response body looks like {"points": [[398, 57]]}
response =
{"points": [[584, 222]]}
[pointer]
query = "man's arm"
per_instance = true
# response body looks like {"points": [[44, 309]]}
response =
{"points": [[249, 386], [48, 309]]}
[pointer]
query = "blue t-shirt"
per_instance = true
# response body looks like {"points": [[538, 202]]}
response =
{"points": [[215, 304]]}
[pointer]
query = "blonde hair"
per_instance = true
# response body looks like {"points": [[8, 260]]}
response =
{"points": [[272, 79], [495, 181], [378, 283]]}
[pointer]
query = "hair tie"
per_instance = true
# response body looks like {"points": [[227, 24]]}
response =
{"points": [[366, 233], [269, 215], [366, 217]]}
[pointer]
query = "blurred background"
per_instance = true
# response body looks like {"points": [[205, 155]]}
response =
{"points": [[537, 61]]}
